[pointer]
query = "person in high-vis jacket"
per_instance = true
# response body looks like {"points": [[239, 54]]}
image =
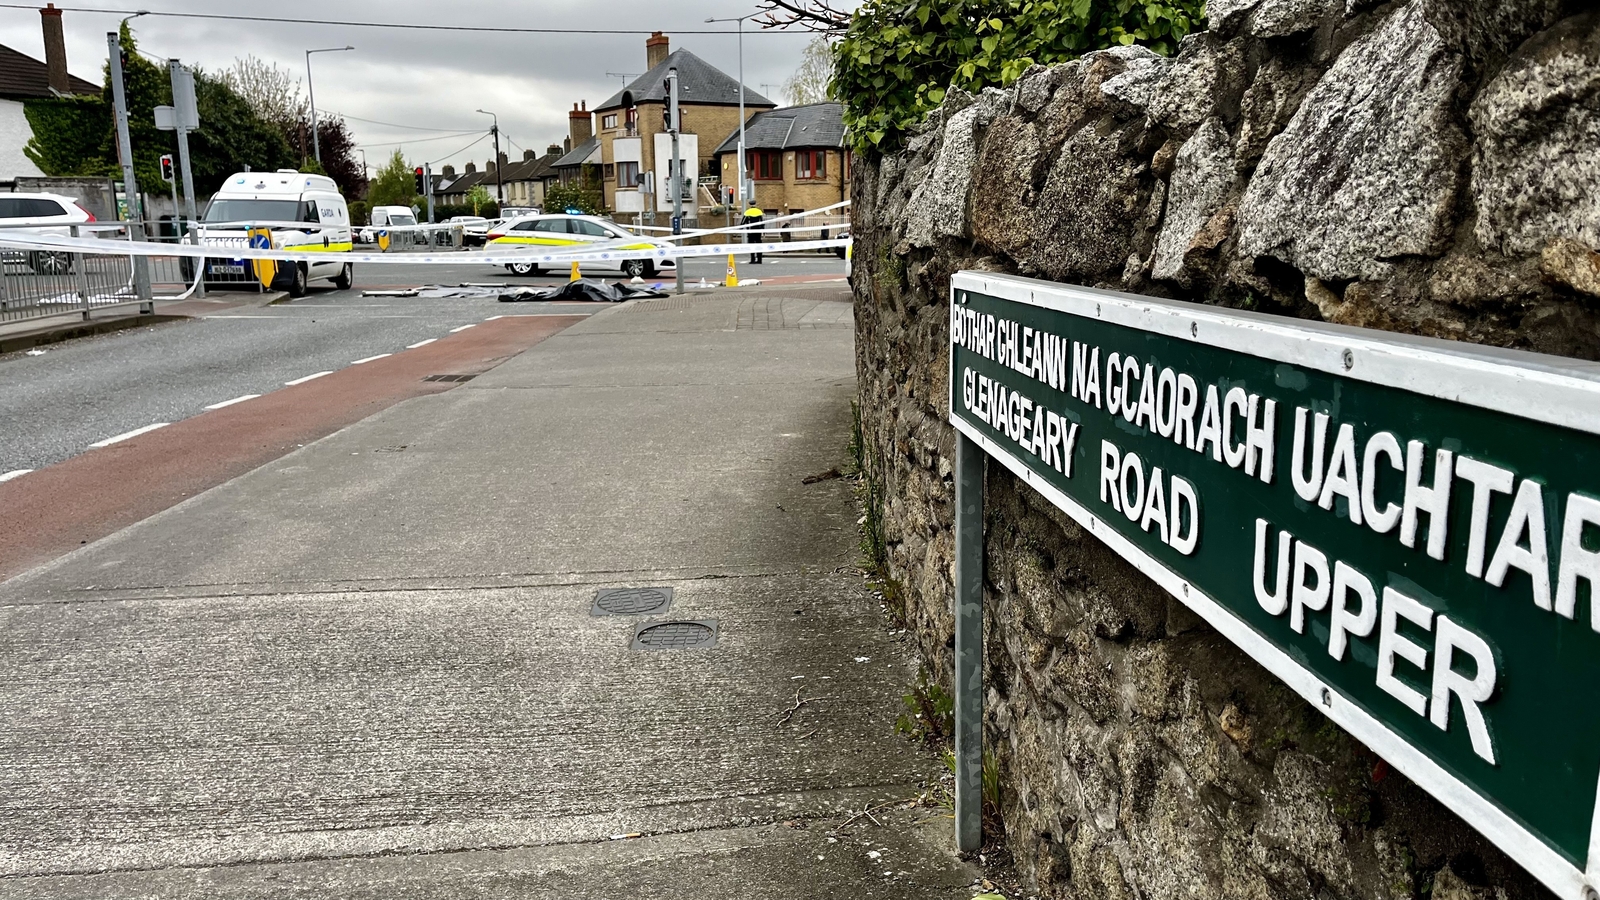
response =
{"points": [[753, 216]]}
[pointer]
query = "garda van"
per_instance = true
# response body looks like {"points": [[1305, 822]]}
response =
{"points": [[303, 212]]}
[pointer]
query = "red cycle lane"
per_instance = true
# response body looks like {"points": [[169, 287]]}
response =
{"points": [[57, 509]]}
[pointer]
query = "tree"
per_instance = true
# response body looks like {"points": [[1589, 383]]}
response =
{"points": [[478, 197], [811, 15], [271, 91], [394, 185], [338, 152], [809, 83], [584, 197], [898, 57]]}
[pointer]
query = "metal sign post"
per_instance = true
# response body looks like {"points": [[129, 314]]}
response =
{"points": [[427, 188], [969, 644], [119, 98], [186, 117]]}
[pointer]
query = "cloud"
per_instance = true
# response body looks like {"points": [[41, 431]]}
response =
{"points": [[434, 79]]}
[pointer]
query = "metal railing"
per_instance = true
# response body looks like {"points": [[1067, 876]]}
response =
{"points": [[37, 284]]}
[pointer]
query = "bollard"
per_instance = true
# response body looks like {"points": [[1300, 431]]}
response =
{"points": [[575, 275], [733, 273]]}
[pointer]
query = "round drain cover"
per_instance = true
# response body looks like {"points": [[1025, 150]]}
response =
{"points": [[630, 601], [676, 636]]}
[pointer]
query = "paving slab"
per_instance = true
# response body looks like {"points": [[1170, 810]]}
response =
{"points": [[370, 668]]}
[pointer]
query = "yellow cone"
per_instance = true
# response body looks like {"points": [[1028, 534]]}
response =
{"points": [[575, 275], [733, 273]]}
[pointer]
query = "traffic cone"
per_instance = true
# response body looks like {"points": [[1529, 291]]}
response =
{"points": [[733, 273], [575, 275]]}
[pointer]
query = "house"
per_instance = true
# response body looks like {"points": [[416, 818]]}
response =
{"points": [[795, 155], [525, 180], [633, 139], [24, 78], [581, 162]]}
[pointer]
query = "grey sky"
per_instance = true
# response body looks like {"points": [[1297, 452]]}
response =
{"points": [[432, 79]]}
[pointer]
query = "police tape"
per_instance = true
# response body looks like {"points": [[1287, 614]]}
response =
{"points": [[60, 244]]}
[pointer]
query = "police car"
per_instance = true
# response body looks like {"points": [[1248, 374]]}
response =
{"points": [[302, 212], [565, 231]]}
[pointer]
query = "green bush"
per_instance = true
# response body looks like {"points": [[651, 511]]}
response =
{"points": [[358, 212], [899, 57]]}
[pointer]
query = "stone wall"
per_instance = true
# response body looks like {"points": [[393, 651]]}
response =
{"points": [[1430, 166]]}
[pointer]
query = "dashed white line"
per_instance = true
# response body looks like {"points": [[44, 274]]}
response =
{"points": [[233, 401], [131, 434], [464, 328], [370, 359], [306, 378], [420, 344], [14, 473]]}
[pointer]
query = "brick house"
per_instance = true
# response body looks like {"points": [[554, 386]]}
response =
{"points": [[633, 140], [795, 155]]}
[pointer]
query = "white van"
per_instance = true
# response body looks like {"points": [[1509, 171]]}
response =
{"points": [[395, 219], [304, 212]]}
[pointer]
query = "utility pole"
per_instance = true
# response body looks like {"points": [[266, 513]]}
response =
{"points": [[311, 94], [499, 174], [130, 184], [675, 121]]}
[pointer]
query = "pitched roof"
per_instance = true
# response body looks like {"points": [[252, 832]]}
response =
{"points": [[23, 76], [812, 125], [579, 155], [698, 82]]}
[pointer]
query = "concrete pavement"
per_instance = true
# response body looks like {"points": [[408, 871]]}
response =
{"points": [[369, 668]]}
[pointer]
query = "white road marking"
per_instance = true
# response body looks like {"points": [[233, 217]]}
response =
{"points": [[420, 344], [306, 379], [370, 359], [464, 328], [131, 434], [492, 318], [233, 401], [14, 473]]}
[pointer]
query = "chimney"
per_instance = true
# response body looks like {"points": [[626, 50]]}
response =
{"points": [[655, 50], [581, 125], [553, 150], [55, 49], [449, 171], [488, 167], [471, 169], [504, 161], [528, 156]]}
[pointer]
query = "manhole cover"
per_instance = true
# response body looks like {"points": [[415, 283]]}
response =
{"points": [[630, 601], [701, 635], [449, 378]]}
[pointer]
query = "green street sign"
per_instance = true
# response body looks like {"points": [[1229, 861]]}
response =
{"points": [[1406, 531]]}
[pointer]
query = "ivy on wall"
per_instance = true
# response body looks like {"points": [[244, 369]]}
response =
{"points": [[899, 57]]}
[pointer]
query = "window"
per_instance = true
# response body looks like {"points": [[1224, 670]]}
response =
{"points": [[610, 171], [608, 121], [811, 164], [551, 226], [766, 165], [627, 174], [263, 211], [584, 227]]}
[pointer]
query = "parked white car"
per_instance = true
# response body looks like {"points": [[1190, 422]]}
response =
{"points": [[474, 229], [52, 214]]}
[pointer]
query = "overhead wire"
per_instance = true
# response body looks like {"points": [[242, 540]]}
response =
{"points": [[442, 137], [491, 29]]}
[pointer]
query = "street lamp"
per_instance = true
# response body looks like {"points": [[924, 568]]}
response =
{"points": [[740, 20], [499, 174], [316, 145]]}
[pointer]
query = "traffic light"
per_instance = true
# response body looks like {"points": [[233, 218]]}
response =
{"points": [[421, 184], [166, 168]]}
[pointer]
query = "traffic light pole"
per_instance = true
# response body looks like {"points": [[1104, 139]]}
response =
{"points": [[183, 92], [676, 174], [427, 188], [130, 184]]}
